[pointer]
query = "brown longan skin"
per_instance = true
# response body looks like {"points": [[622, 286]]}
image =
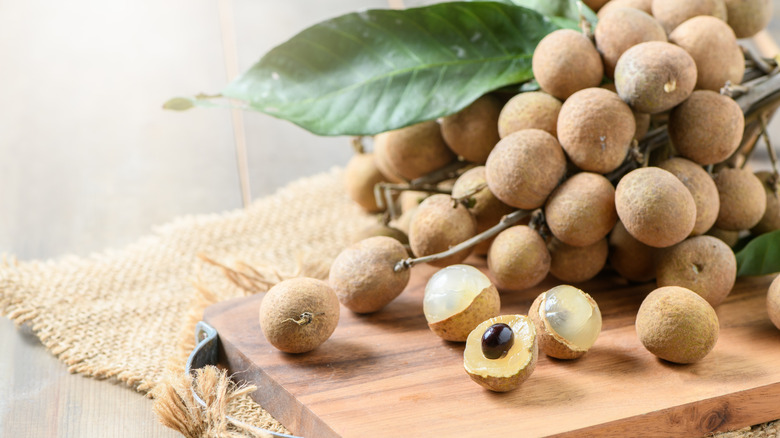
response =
{"points": [[438, 224], [287, 301], [525, 167], [380, 230], [702, 188], [677, 325], [456, 328], [730, 238], [518, 258], [532, 110], [742, 199], [413, 151], [707, 128], [576, 264], [703, 264], [773, 302], [622, 28], [645, 6], [595, 5], [713, 46], [630, 258], [655, 76], [748, 17], [566, 61], [360, 177], [770, 221], [672, 13], [581, 211], [486, 208], [655, 207], [596, 128], [471, 132]]}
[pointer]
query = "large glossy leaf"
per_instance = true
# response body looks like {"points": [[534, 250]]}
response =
{"points": [[566, 13], [761, 256], [372, 71]]}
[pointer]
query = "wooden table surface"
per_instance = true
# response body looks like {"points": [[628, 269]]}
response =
{"points": [[89, 160]]}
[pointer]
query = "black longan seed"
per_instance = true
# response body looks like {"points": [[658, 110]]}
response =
{"points": [[497, 340]]}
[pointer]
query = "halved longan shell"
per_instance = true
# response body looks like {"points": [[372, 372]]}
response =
{"points": [[506, 373], [458, 326], [551, 343]]}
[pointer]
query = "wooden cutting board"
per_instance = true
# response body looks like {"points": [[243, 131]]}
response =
{"points": [[387, 374]]}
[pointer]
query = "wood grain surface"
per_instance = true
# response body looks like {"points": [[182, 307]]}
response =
{"points": [[387, 373]]}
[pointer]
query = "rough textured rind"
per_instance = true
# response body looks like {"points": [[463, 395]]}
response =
{"points": [[575, 264], [713, 46], [595, 129], [773, 302], [287, 301], [566, 61], [707, 128], [619, 29], [381, 230], [363, 277], [550, 343], [518, 258], [655, 76], [413, 151], [742, 199], [655, 207], [643, 5], [632, 259], [748, 17], [677, 325], [525, 167], [581, 211], [702, 188], [703, 264], [360, 177], [472, 133], [457, 327], [438, 224], [770, 221], [532, 110], [672, 13]]}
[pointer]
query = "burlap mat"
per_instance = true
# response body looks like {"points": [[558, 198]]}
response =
{"points": [[130, 314]]}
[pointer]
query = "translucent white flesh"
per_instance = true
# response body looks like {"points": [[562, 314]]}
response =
{"points": [[451, 290], [515, 359], [572, 316]]}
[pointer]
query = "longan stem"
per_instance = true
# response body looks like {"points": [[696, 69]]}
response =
{"points": [[506, 222], [769, 148]]}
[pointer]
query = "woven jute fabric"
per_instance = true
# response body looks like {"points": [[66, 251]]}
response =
{"points": [[130, 314]]}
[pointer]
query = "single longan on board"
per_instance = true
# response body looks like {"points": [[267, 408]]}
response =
{"points": [[471, 132], [566, 61]]}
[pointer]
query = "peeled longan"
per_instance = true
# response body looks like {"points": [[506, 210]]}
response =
{"points": [[471, 132], [564, 62], [742, 199], [360, 177], [655, 207], [581, 211], [532, 110], [713, 46], [524, 168], [595, 129], [438, 224], [672, 13], [575, 264], [518, 258], [702, 188], [642, 5], [413, 151], [632, 259], [770, 221], [703, 264], [622, 28], [748, 17], [655, 76], [707, 128]]}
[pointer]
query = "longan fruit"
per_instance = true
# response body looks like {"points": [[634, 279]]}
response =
{"points": [[730, 238], [773, 302], [486, 208], [531, 110], [672, 13], [748, 17], [642, 120], [575, 264], [645, 6], [381, 230], [524, 168], [595, 5], [581, 211], [299, 314], [564, 62], [770, 221], [655, 207], [622, 28], [471, 132], [655, 76], [713, 46], [632, 259], [703, 264], [438, 224], [742, 199], [360, 177], [702, 188], [518, 258], [595, 129], [707, 128], [413, 151]]}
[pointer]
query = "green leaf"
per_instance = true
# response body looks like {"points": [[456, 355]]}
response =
{"points": [[373, 71], [761, 256], [565, 13]]}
